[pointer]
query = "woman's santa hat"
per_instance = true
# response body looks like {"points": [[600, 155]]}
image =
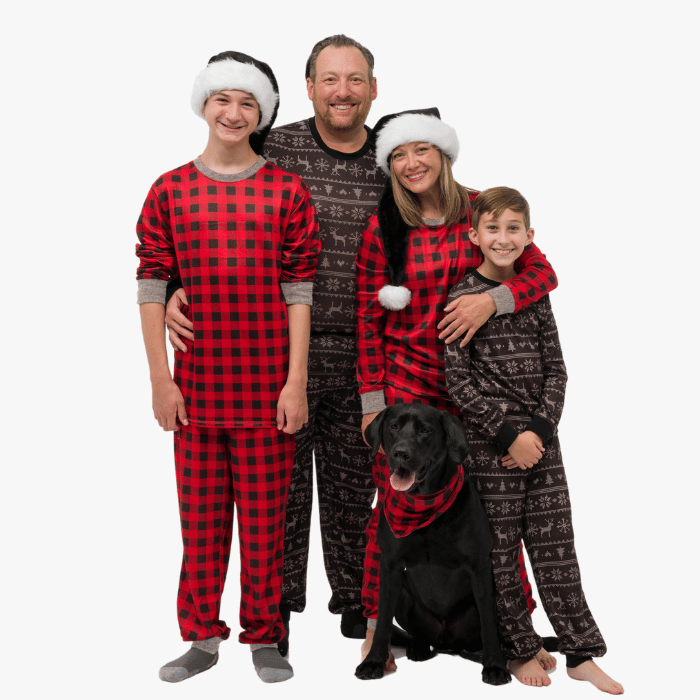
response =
{"points": [[232, 70], [391, 131]]}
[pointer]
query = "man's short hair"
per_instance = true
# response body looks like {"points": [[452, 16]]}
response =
{"points": [[496, 200], [337, 41]]}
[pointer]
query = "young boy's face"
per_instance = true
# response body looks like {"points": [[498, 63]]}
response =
{"points": [[232, 115], [502, 239]]}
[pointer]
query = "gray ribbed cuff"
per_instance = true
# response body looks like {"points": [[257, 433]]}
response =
{"points": [[298, 292], [151, 291], [371, 623], [503, 298], [373, 402]]}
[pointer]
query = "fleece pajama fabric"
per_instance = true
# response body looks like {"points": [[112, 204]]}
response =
{"points": [[401, 358], [245, 246]]}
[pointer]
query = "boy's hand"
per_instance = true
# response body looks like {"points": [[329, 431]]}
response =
{"points": [[525, 451], [366, 420], [292, 408], [168, 404], [178, 324], [468, 313]]}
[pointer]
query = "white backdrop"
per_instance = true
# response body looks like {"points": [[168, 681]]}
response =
{"points": [[588, 109]]}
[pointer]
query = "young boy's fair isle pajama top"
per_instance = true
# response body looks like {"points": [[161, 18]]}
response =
{"points": [[401, 358], [246, 246], [510, 378]]}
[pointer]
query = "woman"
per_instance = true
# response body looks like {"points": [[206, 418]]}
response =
{"points": [[243, 236], [414, 249]]}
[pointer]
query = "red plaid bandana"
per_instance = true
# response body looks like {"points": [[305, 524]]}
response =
{"points": [[406, 513]]}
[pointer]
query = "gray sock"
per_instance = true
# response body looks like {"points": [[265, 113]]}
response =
{"points": [[200, 657], [269, 664]]}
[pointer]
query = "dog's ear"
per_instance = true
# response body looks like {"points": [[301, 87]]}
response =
{"points": [[373, 433], [457, 443]]}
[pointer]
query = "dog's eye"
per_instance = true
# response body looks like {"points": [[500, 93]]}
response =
{"points": [[393, 426], [425, 430]]}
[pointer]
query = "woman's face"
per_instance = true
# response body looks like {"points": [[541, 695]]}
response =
{"points": [[417, 166]]}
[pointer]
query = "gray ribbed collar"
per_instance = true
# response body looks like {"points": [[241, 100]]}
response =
{"points": [[434, 222], [220, 177]]}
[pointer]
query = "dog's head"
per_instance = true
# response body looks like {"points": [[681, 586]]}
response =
{"points": [[420, 442]]}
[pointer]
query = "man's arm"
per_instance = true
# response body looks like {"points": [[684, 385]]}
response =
{"points": [[168, 402]]}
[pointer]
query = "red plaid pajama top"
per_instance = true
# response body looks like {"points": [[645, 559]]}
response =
{"points": [[234, 244], [402, 348]]}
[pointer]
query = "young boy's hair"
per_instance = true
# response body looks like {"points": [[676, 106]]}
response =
{"points": [[496, 200]]}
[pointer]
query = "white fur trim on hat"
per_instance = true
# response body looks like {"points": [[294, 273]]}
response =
{"points": [[394, 298], [415, 127], [232, 75]]}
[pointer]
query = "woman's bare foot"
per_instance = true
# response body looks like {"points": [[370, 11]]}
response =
{"points": [[545, 659], [390, 665], [591, 672], [529, 672]]}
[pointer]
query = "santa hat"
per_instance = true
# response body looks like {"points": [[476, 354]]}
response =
{"points": [[232, 70], [389, 132]]}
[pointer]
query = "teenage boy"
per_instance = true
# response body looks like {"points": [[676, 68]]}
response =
{"points": [[509, 384], [243, 236]]}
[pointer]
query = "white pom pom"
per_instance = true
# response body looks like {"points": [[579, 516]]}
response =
{"points": [[394, 298]]}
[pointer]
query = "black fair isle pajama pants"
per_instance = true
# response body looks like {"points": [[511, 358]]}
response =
{"points": [[215, 468], [533, 505], [345, 493]]}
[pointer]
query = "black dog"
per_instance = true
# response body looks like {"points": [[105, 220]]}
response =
{"points": [[436, 581]]}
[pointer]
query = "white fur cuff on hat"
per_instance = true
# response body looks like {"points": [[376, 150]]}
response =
{"points": [[232, 75], [415, 127]]}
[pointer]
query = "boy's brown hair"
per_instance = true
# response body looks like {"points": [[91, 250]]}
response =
{"points": [[496, 200]]}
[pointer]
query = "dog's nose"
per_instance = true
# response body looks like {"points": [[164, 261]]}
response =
{"points": [[400, 456]]}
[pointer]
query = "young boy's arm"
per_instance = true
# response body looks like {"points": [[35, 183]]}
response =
{"points": [[299, 258], [547, 416]]}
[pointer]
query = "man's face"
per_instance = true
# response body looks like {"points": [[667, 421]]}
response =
{"points": [[341, 93]]}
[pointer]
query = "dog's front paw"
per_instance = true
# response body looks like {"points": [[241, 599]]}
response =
{"points": [[495, 675], [370, 669], [419, 650]]}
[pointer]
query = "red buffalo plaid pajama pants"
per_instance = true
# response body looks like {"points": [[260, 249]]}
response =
{"points": [[217, 467], [380, 472]]}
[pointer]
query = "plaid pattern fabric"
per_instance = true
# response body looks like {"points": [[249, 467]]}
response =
{"points": [[216, 468], [380, 472], [402, 348], [234, 243], [407, 512], [534, 505]]}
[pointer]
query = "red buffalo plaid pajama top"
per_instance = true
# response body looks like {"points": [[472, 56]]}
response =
{"points": [[235, 243], [401, 358], [245, 246]]}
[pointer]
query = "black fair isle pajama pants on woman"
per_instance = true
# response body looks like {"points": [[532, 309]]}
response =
{"points": [[217, 468], [533, 505]]}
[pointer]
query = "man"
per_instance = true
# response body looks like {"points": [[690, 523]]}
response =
{"points": [[334, 156]]}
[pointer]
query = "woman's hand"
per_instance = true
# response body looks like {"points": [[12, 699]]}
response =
{"points": [[525, 451], [466, 314], [178, 324]]}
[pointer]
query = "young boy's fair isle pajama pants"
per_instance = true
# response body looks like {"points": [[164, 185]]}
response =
{"points": [[217, 467]]}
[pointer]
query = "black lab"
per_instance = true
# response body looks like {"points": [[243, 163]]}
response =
{"points": [[436, 581]]}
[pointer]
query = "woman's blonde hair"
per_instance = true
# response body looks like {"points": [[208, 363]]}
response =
{"points": [[454, 200]]}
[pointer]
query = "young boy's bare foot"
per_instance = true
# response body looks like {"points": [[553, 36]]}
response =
{"points": [[545, 659], [591, 672], [390, 665], [529, 672]]}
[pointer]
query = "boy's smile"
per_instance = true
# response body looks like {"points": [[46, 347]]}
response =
{"points": [[502, 240], [232, 115]]}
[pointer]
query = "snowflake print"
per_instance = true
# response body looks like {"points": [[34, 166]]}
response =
{"points": [[512, 533], [333, 284], [313, 382], [359, 461], [276, 136], [489, 508], [545, 502], [345, 365], [564, 525], [528, 365], [287, 161], [531, 530], [355, 169], [347, 344], [298, 141], [574, 573], [504, 580], [512, 366], [482, 458], [326, 342], [344, 495], [322, 165], [358, 213], [572, 599], [355, 236], [505, 508], [557, 575], [335, 210], [562, 499]]}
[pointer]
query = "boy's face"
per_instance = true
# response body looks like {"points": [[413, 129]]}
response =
{"points": [[232, 115], [502, 239]]}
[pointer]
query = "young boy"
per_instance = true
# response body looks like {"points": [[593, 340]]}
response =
{"points": [[243, 235], [509, 384]]}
